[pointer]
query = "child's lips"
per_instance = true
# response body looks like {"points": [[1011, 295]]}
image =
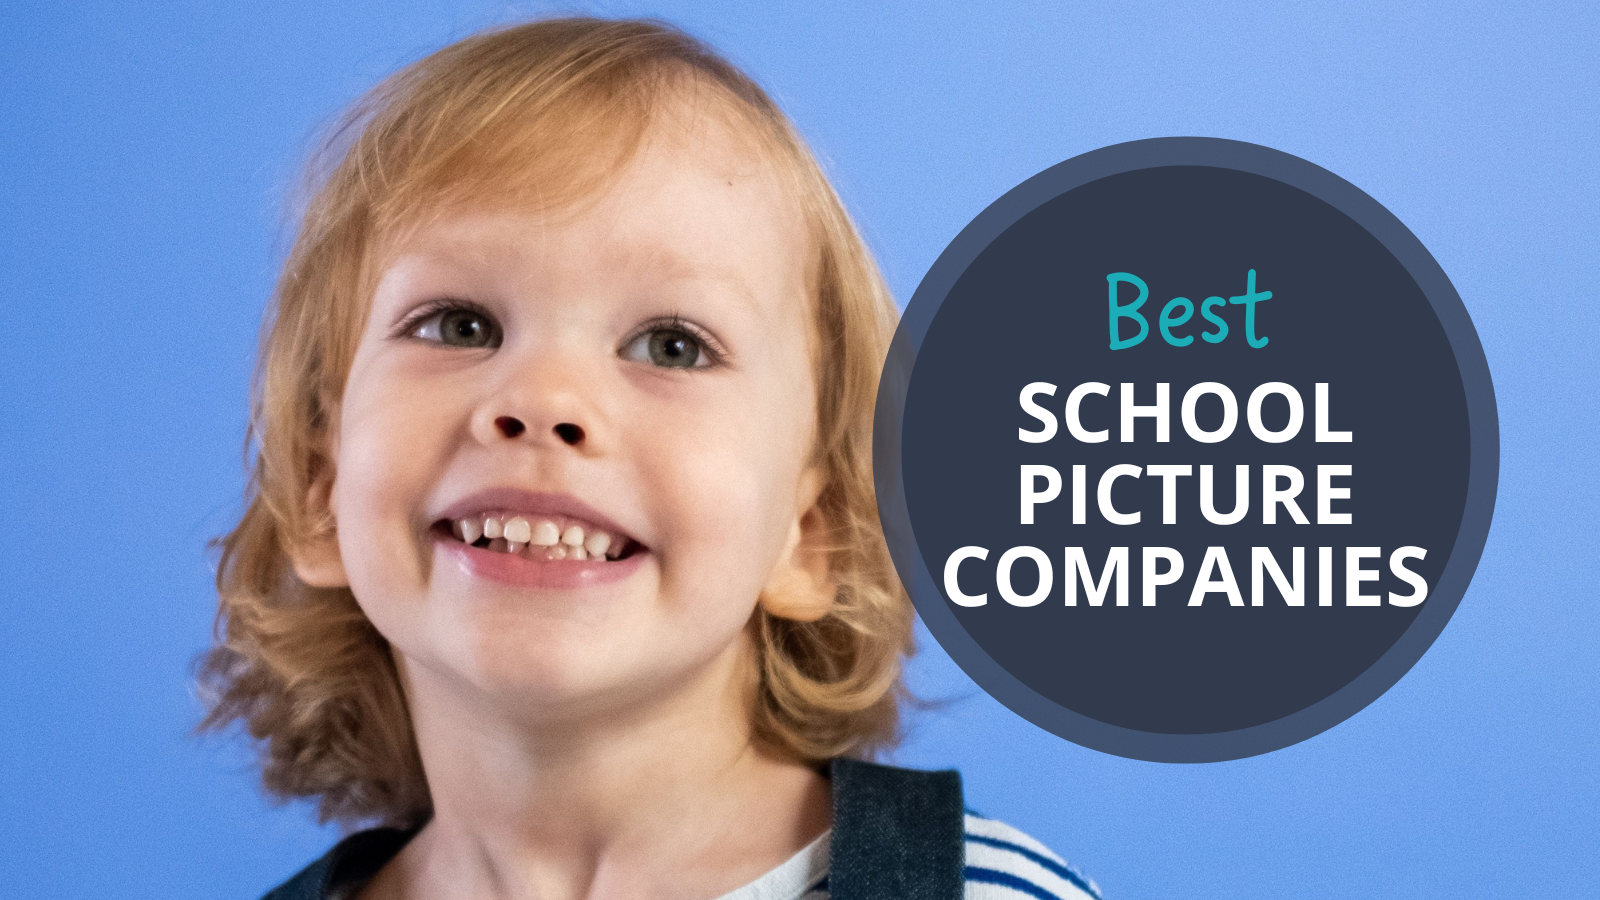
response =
{"points": [[552, 574]]}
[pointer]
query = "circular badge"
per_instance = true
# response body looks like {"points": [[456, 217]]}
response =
{"points": [[1186, 449]]}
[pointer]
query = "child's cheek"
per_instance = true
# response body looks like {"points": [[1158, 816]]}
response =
{"points": [[387, 452], [725, 483]]}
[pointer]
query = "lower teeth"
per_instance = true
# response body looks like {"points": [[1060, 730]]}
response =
{"points": [[546, 553]]}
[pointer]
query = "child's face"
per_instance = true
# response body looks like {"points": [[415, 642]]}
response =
{"points": [[639, 366]]}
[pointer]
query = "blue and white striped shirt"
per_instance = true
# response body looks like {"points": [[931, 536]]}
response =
{"points": [[1002, 863]]}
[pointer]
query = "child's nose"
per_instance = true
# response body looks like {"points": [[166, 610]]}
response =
{"points": [[566, 432], [548, 397]]}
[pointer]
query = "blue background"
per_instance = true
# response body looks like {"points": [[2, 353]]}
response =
{"points": [[146, 153]]}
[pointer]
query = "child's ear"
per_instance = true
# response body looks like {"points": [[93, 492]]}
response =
{"points": [[801, 585], [317, 560]]}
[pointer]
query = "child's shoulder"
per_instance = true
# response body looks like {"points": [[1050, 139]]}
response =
{"points": [[1003, 863]]}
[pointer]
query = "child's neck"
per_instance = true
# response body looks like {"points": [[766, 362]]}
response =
{"points": [[660, 797]]}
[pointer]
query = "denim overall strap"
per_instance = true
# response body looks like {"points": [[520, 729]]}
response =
{"points": [[898, 834], [358, 856]]}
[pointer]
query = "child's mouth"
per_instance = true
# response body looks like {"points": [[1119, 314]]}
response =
{"points": [[539, 538]]}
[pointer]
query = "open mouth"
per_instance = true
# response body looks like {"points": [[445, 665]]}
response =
{"points": [[539, 538]]}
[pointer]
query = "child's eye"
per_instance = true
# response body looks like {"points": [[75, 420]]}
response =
{"points": [[670, 347], [456, 326]]}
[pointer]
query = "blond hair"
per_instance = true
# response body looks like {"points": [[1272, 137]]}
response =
{"points": [[540, 114]]}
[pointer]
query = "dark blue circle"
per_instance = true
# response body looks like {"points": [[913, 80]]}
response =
{"points": [[1357, 303]]}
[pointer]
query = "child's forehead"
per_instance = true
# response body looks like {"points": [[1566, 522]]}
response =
{"points": [[684, 200]]}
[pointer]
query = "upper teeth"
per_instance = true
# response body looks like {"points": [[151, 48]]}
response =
{"points": [[513, 533], [517, 530], [546, 534]]}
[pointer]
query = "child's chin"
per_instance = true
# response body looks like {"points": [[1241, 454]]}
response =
{"points": [[555, 686]]}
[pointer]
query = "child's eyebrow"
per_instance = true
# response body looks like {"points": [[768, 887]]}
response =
{"points": [[463, 252], [669, 265]]}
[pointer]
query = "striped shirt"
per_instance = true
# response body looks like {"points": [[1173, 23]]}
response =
{"points": [[1002, 863]]}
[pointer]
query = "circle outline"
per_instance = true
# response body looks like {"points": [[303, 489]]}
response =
{"points": [[1483, 450]]}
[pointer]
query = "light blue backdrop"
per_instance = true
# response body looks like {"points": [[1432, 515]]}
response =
{"points": [[145, 154]]}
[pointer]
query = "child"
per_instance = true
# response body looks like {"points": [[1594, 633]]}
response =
{"points": [[562, 561]]}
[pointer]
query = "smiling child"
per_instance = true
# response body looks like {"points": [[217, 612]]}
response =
{"points": [[561, 561]]}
